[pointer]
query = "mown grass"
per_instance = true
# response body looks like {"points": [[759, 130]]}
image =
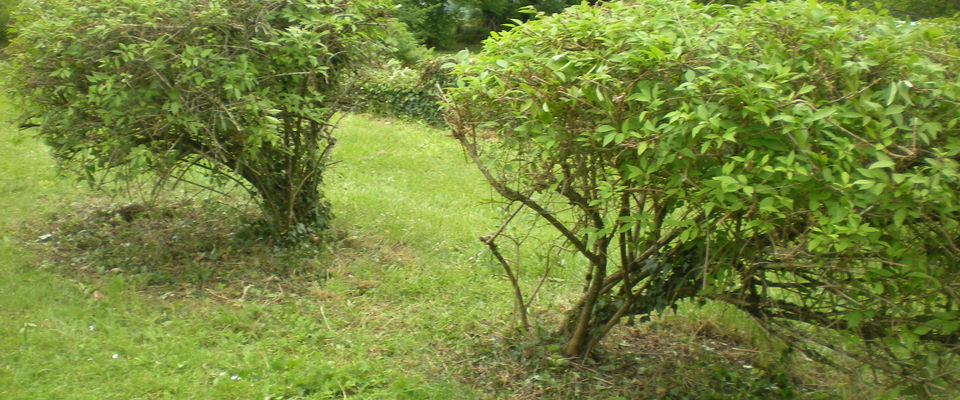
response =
{"points": [[114, 335], [404, 305]]}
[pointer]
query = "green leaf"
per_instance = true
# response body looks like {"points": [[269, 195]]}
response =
{"points": [[854, 319], [767, 204], [609, 138], [642, 147], [728, 183], [655, 51], [894, 110], [605, 128], [820, 114], [891, 93], [884, 162], [899, 216]]}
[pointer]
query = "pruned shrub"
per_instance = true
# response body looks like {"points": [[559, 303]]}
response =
{"points": [[795, 160], [244, 91]]}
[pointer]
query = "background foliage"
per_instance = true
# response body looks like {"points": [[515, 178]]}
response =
{"points": [[403, 92], [454, 24], [899, 8], [914, 8], [6, 9], [797, 161]]}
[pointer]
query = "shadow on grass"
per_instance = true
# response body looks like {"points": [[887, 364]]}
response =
{"points": [[183, 246]]}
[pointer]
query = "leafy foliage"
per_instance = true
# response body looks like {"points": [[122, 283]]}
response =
{"points": [[243, 90], [403, 92], [899, 8], [914, 8], [453, 24], [6, 9], [404, 102], [795, 160], [429, 20]]}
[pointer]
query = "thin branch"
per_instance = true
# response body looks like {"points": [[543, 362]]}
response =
{"points": [[518, 303]]}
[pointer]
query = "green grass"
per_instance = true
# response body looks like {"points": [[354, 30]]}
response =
{"points": [[109, 337], [406, 305]]}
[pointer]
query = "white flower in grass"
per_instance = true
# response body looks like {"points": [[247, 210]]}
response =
{"points": [[115, 356]]}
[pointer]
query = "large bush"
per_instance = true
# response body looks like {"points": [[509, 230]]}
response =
{"points": [[244, 90], [794, 160]]}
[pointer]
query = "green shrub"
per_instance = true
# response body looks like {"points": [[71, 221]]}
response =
{"points": [[242, 90], [798, 161], [403, 102], [403, 92]]}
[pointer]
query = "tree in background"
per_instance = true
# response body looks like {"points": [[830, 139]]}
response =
{"points": [[797, 161], [452, 24], [430, 20], [243, 91]]}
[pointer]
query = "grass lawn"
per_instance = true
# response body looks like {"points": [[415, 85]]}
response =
{"points": [[112, 336], [405, 305]]}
